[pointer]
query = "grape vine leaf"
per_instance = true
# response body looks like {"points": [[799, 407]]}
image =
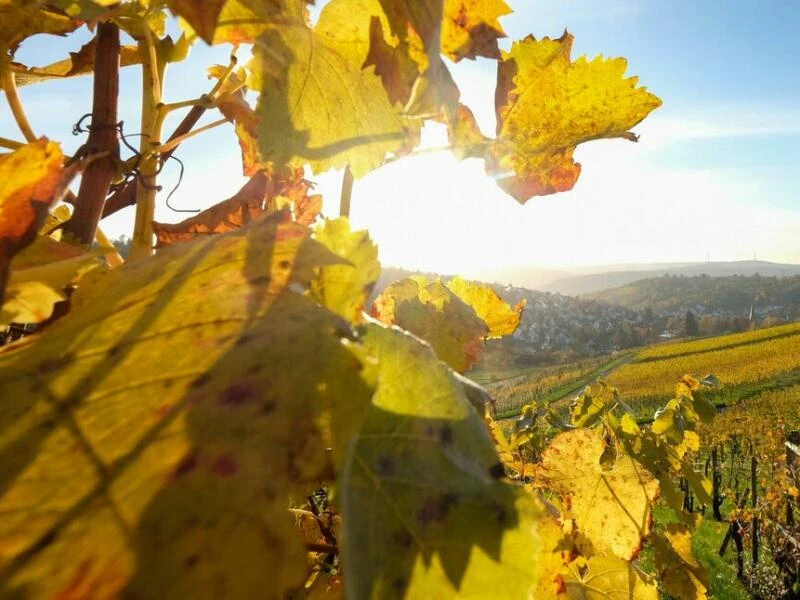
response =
{"points": [[424, 513], [607, 578], [317, 107], [20, 20], [547, 104], [232, 103], [243, 21], [256, 197], [464, 135], [149, 440], [681, 574], [30, 178], [344, 289], [434, 313], [612, 508], [202, 15], [470, 28], [501, 318], [39, 277], [79, 63]]}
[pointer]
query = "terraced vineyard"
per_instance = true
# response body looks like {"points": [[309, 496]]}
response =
{"points": [[744, 364], [549, 384]]}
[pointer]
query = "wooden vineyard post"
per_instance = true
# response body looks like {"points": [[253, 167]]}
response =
{"points": [[792, 455], [754, 494], [716, 501]]}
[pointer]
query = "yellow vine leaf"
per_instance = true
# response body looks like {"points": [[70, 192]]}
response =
{"points": [[149, 440], [470, 28], [680, 573], [612, 507], [425, 515], [243, 21], [465, 136], [19, 20], [317, 107], [260, 195], [547, 104], [344, 289], [400, 40], [607, 578], [501, 318], [434, 313], [29, 180], [79, 63], [201, 15], [39, 277]]}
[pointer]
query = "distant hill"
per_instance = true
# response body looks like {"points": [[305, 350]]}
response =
{"points": [[670, 293], [579, 285]]}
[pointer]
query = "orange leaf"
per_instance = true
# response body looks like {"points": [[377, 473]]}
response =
{"points": [[29, 180]]}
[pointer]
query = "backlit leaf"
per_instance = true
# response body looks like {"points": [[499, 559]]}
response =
{"points": [[149, 440], [255, 198], [611, 507], [680, 573], [470, 28], [345, 288], [501, 318], [19, 20], [243, 21], [202, 15], [607, 578], [39, 277], [29, 180], [78, 63], [464, 135], [434, 313], [318, 107], [424, 515], [547, 104]]}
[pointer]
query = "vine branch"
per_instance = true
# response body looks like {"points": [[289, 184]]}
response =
{"points": [[102, 138], [14, 103]]}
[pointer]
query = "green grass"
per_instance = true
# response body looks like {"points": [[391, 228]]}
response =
{"points": [[706, 540]]}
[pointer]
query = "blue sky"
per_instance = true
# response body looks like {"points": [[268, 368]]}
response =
{"points": [[716, 172]]}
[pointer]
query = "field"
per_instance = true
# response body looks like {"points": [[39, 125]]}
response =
{"points": [[548, 384]]}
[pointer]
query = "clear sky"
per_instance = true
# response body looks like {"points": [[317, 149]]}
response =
{"points": [[716, 172]]}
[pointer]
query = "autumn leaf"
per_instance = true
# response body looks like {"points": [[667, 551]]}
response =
{"points": [[612, 508], [79, 63], [547, 104], [342, 118], [20, 20], [253, 200], [501, 318], [243, 21], [424, 513], [344, 288], [29, 180], [148, 445], [202, 15], [40, 276], [470, 28], [607, 578], [434, 313], [464, 135], [680, 572]]}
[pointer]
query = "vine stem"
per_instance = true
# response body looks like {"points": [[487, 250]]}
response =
{"points": [[10, 88], [10, 144], [151, 125], [347, 192], [102, 140], [179, 140]]}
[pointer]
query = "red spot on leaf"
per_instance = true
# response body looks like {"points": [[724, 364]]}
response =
{"points": [[225, 466], [187, 465], [238, 394]]}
